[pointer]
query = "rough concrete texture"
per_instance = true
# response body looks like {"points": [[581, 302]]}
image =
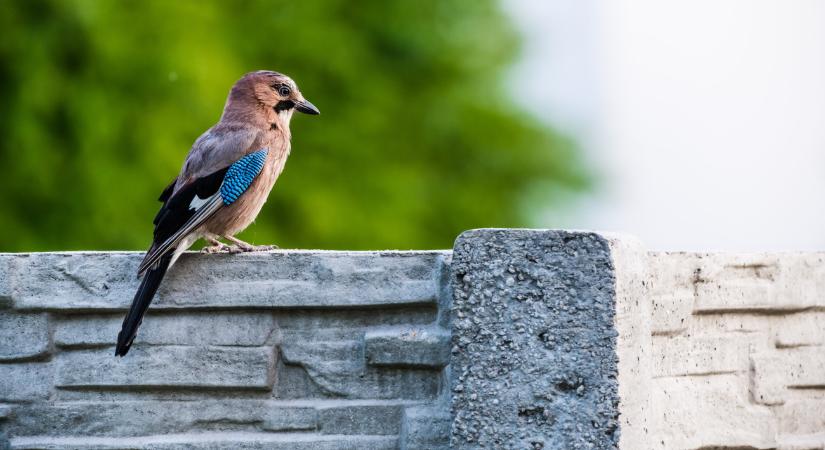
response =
{"points": [[633, 342], [425, 428], [534, 361], [551, 335], [738, 351], [277, 350]]}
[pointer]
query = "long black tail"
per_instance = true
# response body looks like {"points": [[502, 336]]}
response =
{"points": [[140, 304]]}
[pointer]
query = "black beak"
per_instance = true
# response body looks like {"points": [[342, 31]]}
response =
{"points": [[306, 107]]}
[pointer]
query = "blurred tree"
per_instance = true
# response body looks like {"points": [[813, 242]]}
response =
{"points": [[419, 138]]}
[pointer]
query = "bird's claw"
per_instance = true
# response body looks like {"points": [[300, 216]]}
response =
{"points": [[251, 248], [217, 248]]}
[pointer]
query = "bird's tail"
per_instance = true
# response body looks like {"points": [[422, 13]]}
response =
{"points": [[140, 304]]}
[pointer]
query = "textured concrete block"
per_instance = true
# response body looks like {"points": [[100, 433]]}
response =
{"points": [[364, 418], [5, 412], [767, 380], [204, 362], [758, 283], [312, 320], [672, 293], [197, 367], [802, 417], [279, 279], [672, 312], [806, 442], [293, 383], [741, 284], [7, 279], [305, 279], [340, 356], [132, 418], [214, 440], [757, 325], [705, 355], [408, 346], [169, 328], [425, 428], [23, 336], [801, 330], [74, 280], [532, 357], [534, 343], [25, 381], [708, 412], [338, 367], [773, 373], [633, 320], [290, 418]]}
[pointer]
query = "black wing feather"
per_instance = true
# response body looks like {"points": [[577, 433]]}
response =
{"points": [[175, 211], [167, 191]]}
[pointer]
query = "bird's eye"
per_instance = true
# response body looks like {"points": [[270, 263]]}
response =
{"points": [[284, 91]]}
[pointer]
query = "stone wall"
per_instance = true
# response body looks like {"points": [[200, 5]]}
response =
{"points": [[292, 350], [738, 351], [517, 339]]}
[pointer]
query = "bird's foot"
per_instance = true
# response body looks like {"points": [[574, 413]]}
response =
{"points": [[241, 246], [245, 248], [220, 247]]}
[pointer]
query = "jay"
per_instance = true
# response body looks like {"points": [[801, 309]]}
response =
{"points": [[223, 183]]}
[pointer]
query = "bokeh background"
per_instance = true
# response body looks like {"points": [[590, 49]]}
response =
{"points": [[694, 125], [418, 137]]}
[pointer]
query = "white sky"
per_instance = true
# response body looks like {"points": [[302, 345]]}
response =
{"points": [[705, 119]]}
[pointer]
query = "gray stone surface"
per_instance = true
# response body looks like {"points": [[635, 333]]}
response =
{"points": [[534, 362], [378, 419], [239, 351], [6, 272], [169, 328], [23, 336], [319, 350], [425, 428], [168, 366], [216, 440], [5, 412], [290, 418], [408, 346], [133, 418], [338, 367], [25, 381], [278, 279]]}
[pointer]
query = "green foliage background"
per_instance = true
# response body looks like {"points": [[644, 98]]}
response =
{"points": [[418, 139]]}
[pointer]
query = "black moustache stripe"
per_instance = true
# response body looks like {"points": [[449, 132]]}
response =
{"points": [[283, 105]]}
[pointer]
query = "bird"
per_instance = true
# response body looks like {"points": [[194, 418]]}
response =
{"points": [[223, 183]]}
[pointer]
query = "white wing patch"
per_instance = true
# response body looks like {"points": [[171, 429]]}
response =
{"points": [[197, 202]]}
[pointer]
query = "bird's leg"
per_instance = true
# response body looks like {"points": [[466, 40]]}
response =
{"points": [[241, 246], [215, 246]]}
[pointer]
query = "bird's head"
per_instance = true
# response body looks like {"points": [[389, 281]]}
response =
{"points": [[273, 91]]}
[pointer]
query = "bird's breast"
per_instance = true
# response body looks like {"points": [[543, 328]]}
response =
{"points": [[234, 218]]}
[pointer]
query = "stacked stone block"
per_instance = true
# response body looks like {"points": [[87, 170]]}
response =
{"points": [[739, 351], [517, 339], [292, 350]]}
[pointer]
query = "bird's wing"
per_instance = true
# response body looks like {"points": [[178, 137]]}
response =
{"points": [[191, 205], [217, 148]]}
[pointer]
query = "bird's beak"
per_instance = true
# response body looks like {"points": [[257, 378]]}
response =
{"points": [[306, 107]]}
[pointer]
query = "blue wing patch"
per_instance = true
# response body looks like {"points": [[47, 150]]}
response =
{"points": [[241, 174]]}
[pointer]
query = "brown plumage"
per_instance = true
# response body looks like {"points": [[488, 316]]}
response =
{"points": [[251, 115], [256, 117]]}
